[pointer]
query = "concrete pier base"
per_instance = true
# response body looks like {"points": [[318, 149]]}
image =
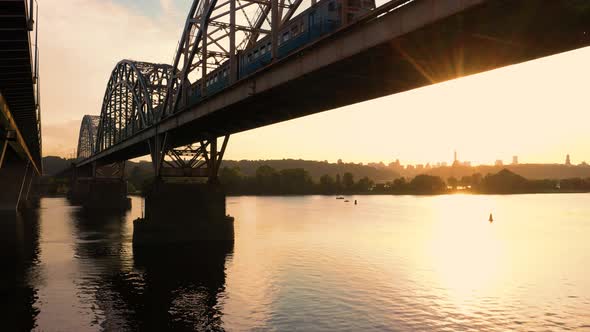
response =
{"points": [[183, 213], [107, 194], [100, 193], [15, 186]]}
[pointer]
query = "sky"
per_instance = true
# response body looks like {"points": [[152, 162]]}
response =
{"points": [[538, 110]]}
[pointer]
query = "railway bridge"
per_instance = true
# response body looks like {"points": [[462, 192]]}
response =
{"points": [[243, 64], [20, 116]]}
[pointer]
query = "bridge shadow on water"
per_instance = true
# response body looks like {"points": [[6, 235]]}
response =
{"points": [[157, 288], [19, 254]]}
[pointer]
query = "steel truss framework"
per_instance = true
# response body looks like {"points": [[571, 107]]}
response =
{"points": [[87, 136], [201, 159], [139, 95], [132, 101], [110, 171], [215, 31]]}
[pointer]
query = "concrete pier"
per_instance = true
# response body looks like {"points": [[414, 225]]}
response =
{"points": [[98, 192], [183, 213], [107, 194], [16, 177]]}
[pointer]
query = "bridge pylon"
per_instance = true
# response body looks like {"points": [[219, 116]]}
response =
{"points": [[100, 186], [186, 202]]}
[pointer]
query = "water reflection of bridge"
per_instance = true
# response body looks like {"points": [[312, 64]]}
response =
{"points": [[168, 288], [19, 253]]}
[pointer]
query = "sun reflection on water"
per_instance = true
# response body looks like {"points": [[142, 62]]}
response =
{"points": [[467, 252]]}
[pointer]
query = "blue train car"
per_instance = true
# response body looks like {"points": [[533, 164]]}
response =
{"points": [[320, 19]]}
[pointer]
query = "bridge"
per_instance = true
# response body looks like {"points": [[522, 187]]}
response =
{"points": [[238, 67], [20, 116]]}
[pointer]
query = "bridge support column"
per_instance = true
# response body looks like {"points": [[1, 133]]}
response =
{"points": [[100, 187], [186, 203], [183, 213], [14, 175]]}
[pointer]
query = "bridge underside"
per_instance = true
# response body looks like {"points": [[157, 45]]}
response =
{"points": [[486, 36], [17, 85]]}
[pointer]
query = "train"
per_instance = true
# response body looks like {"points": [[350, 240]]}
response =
{"points": [[320, 19]]}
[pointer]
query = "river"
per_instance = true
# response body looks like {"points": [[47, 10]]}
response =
{"points": [[311, 263]]}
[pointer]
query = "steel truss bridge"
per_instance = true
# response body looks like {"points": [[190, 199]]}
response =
{"points": [[401, 45]]}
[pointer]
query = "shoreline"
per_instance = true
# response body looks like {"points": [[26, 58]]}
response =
{"points": [[373, 194]]}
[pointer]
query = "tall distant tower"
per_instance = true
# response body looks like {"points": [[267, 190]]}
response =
{"points": [[455, 161], [514, 160], [567, 160]]}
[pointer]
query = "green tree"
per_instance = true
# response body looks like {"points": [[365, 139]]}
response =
{"points": [[427, 184], [327, 184], [452, 182], [268, 180], [364, 184], [338, 183], [347, 181], [465, 181], [231, 178], [295, 181]]}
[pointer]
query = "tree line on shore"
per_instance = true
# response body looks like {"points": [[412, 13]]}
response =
{"points": [[297, 181], [268, 181]]}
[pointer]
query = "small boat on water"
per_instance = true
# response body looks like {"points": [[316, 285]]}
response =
{"points": [[339, 197], [346, 201]]}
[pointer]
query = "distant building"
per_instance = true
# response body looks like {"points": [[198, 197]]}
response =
{"points": [[567, 160], [420, 167], [467, 163], [514, 160], [499, 162]]}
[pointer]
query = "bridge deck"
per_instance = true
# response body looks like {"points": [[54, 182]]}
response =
{"points": [[421, 43], [16, 74]]}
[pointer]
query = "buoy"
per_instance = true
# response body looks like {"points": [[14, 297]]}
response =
{"points": [[355, 202], [491, 218]]}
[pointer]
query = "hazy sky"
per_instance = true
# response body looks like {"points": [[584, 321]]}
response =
{"points": [[539, 110]]}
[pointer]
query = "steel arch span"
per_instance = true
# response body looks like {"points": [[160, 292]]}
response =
{"points": [[215, 32], [87, 136], [132, 101]]}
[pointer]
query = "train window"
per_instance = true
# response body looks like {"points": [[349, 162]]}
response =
{"points": [[285, 36], [268, 47], [255, 53], [332, 6]]}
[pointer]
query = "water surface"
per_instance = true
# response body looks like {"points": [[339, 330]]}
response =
{"points": [[314, 263]]}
